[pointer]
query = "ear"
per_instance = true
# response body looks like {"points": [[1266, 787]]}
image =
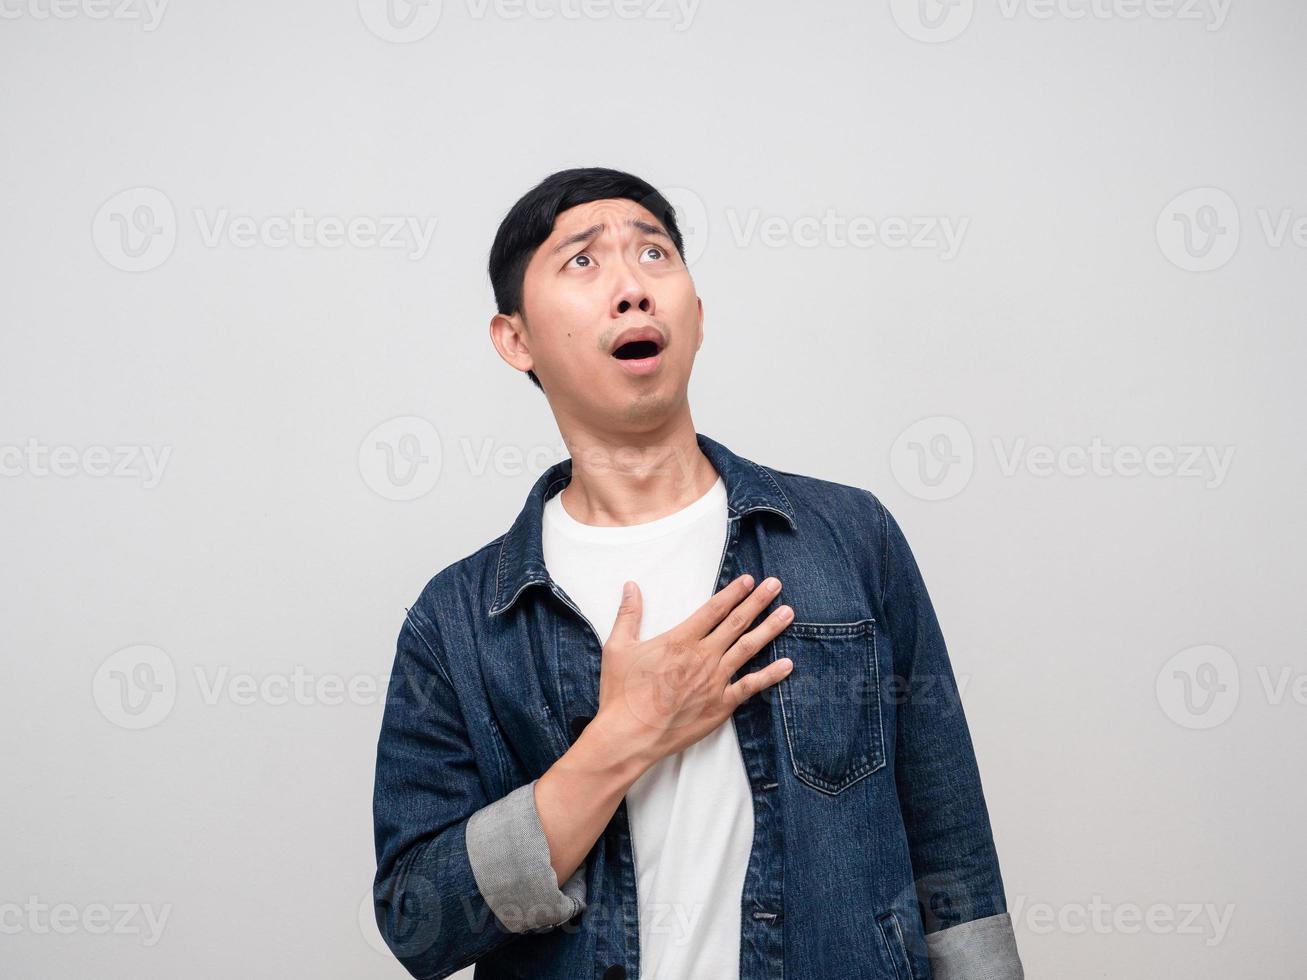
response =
{"points": [[699, 344], [508, 334]]}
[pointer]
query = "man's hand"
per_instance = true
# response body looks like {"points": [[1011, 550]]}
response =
{"points": [[667, 692]]}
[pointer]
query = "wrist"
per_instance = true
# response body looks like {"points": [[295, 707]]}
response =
{"points": [[615, 748]]}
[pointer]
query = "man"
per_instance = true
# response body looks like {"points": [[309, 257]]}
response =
{"points": [[725, 785]]}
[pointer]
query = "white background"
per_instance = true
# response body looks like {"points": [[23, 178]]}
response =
{"points": [[1132, 814]]}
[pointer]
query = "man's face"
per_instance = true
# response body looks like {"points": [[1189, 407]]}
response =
{"points": [[608, 268]]}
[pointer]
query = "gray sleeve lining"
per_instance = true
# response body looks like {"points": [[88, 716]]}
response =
{"points": [[982, 949], [509, 855]]}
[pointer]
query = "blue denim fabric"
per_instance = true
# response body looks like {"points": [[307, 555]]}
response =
{"points": [[873, 856]]}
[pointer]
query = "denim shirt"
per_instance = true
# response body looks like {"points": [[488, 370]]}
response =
{"points": [[872, 857]]}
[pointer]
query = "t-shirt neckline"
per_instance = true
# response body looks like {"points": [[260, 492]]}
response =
{"points": [[556, 514]]}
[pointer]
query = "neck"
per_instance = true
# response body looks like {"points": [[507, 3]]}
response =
{"points": [[623, 478]]}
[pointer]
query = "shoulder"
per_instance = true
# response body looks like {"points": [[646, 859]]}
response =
{"points": [[851, 515], [829, 500], [454, 594]]}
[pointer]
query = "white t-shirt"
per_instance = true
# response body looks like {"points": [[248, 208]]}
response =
{"points": [[691, 813]]}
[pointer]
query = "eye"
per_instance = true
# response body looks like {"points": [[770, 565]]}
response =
{"points": [[580, 255], [659, 253]]}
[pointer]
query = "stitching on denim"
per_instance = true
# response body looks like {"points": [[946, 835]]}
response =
{"points": [[880, 713], [912, 974], [772, 481], [889, 944], [409, 614], [884, 551], [867, 768], [499, 566], [500, 747]]}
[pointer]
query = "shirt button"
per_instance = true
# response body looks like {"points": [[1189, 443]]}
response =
{"points": [[615, 972], [578, 724]]}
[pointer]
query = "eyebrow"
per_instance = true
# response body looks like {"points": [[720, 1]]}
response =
{"points": [[593, 230]]}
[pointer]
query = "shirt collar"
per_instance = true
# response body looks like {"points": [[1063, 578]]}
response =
{"points": [[749, 487]]}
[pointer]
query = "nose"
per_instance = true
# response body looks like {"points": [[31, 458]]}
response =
{"points": [[632, 294], [643, 302]]}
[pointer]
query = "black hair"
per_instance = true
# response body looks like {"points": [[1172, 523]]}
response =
{"points": [[531, 220]]}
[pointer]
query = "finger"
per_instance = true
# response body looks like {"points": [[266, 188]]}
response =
{"points": [[751, 642], [756, 680], [702, 620], [742, 616], [626, 628]]}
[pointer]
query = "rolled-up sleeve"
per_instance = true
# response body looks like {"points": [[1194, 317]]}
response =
{"points": [[509, 854], [458, 874]]}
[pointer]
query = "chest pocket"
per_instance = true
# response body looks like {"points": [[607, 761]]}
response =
{"points": [[831, 702]]}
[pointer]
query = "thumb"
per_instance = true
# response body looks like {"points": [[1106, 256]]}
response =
{"points": [[626, 628]]}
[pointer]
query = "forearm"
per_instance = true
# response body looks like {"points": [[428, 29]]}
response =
{"points": [[577, 796]]}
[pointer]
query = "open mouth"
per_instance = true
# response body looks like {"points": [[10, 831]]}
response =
{"points": [[635, 350]]}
